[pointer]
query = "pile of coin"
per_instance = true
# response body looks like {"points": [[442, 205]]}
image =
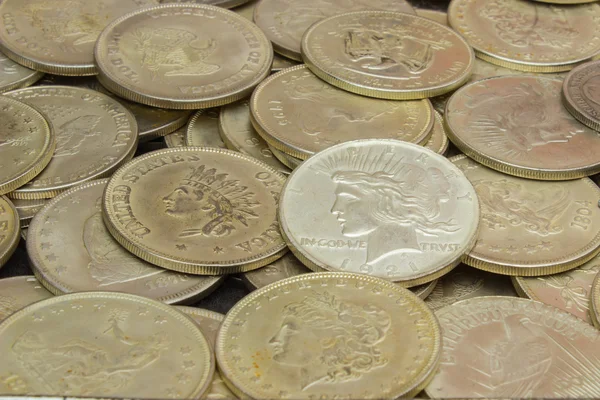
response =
{"points": [[150, 151]]}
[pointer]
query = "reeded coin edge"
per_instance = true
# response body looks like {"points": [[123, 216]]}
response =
{"points": [[522, 288], [445, 142], [594, 302], [164, 129], [23, 83], [201, 312], [13, 240], [576, 111], [289, 161], [426, 291], [190, 126]]}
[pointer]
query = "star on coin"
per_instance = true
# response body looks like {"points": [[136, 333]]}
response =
{"points": [[188, 364], [60, 269], [45, 245], [160, 320], [218, 250], [181, 247], [51, 257]]}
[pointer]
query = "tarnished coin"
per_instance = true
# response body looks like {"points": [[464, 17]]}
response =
{"points": [[521, 34], [177, 138], [438, 16], [203, 130], [9, 230], [220, 3], [238, 134], [289, 161], [183, 56], [327, 334], [286, 267], [94, 135], [532, 228], [299, 114], [507, 347], [569, 291], [581, 91], [197, 210], [58, 36], [104, 344], [518, 125], [18, 292], [27, 143], [384, 208], [71, 250], [27, 209], [15, 76], [387, 55], [438, 142], [285, 21]]}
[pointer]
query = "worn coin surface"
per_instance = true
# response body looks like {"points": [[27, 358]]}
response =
{"points": [[18, 292], [384, 208], [58, 36], [27, 209], [285, 21], [203, 130], [299, 114], [104, 344], [183, 56], [15, 76], [9, 229], [176, 139], [521, 34], [438, 16], [95, 134], [581, 91], [220, 3], [27, 143], [595, 303], [306, 339], [197, 210], [387, 55], [289, 161], [438, 142], [529, 227], [507, 347], [518, 125]]}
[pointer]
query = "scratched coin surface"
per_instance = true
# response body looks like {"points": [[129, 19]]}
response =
{"points": [[285, 21], [9, 229], [326, 334], [71, 250], [384, 208], [529, 227], [507, 347], [58, 36], [519, 126], [197, 210], [203, 130], [15, 76], [18, 292], [387, 55], [95, 134], [27, 143], [220, 3], [104, 344], [183, 56], [298, 113], [581, 91], [27, 209], [438, 142], [528, 36]]}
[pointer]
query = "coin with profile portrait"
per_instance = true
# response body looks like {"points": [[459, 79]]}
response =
{"points": [[384, 208]]}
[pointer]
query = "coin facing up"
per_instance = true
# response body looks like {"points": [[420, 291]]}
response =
{"points": [[518, 125], [183, 56], [289, 161], [176, 139], [9, 229], [438, 142], [284, 21], [384, 208], [26, 144], [387, 55], [104, 344], [529, 227], [286, 267], [527, 36], [581, 91], [220, 3], [18, 292], [27, 209], [15, 76], [506, 347], [197, 210], [327, 334], [203, 130], [58, 36], [94, 135]]}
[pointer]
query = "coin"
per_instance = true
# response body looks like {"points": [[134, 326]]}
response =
{"points": [[518, 125], [438, 16], [387, 55], [299, 114], [289, 161], [595, 303], [27, 209], [58, 36], [177, 138], [527, 36], [286, 267], [203, 130], [581, 94], [171, 56], [220, 3], [15, 76], [285, 21], [438, 142], [197, 210], [384, 208], [24, 233], [237, 132], [306, 338], [94, 135], [496, 347], [18, 292], [9, 230], [26, 144], [104, 344], [532, 228]]}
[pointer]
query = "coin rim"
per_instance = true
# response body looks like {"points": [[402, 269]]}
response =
{"points": [[594, 308], [445, 141], [190, 125], [24, 82], [289, 161], [576, 111], [13, 240], [169, 142], [164, 129]]}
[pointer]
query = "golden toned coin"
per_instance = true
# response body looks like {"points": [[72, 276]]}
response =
{"points": [[203, 130], [532, 228], [289, 161], [15, 76], [438, 16], [176, 139], [183, 56], [26, 144], [71, 250], [286, 267], [438, 142], [220, 3], [523, 35], [95, 134], [18, 292], [27, 209], [58, 36], [285, 21], [9, 230], [506, 347], [595, 302], [518, 125], [384, 208], [581, 94], [197, 210], [298, 339], [104, 344], [238, 134], [387, 55]]}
